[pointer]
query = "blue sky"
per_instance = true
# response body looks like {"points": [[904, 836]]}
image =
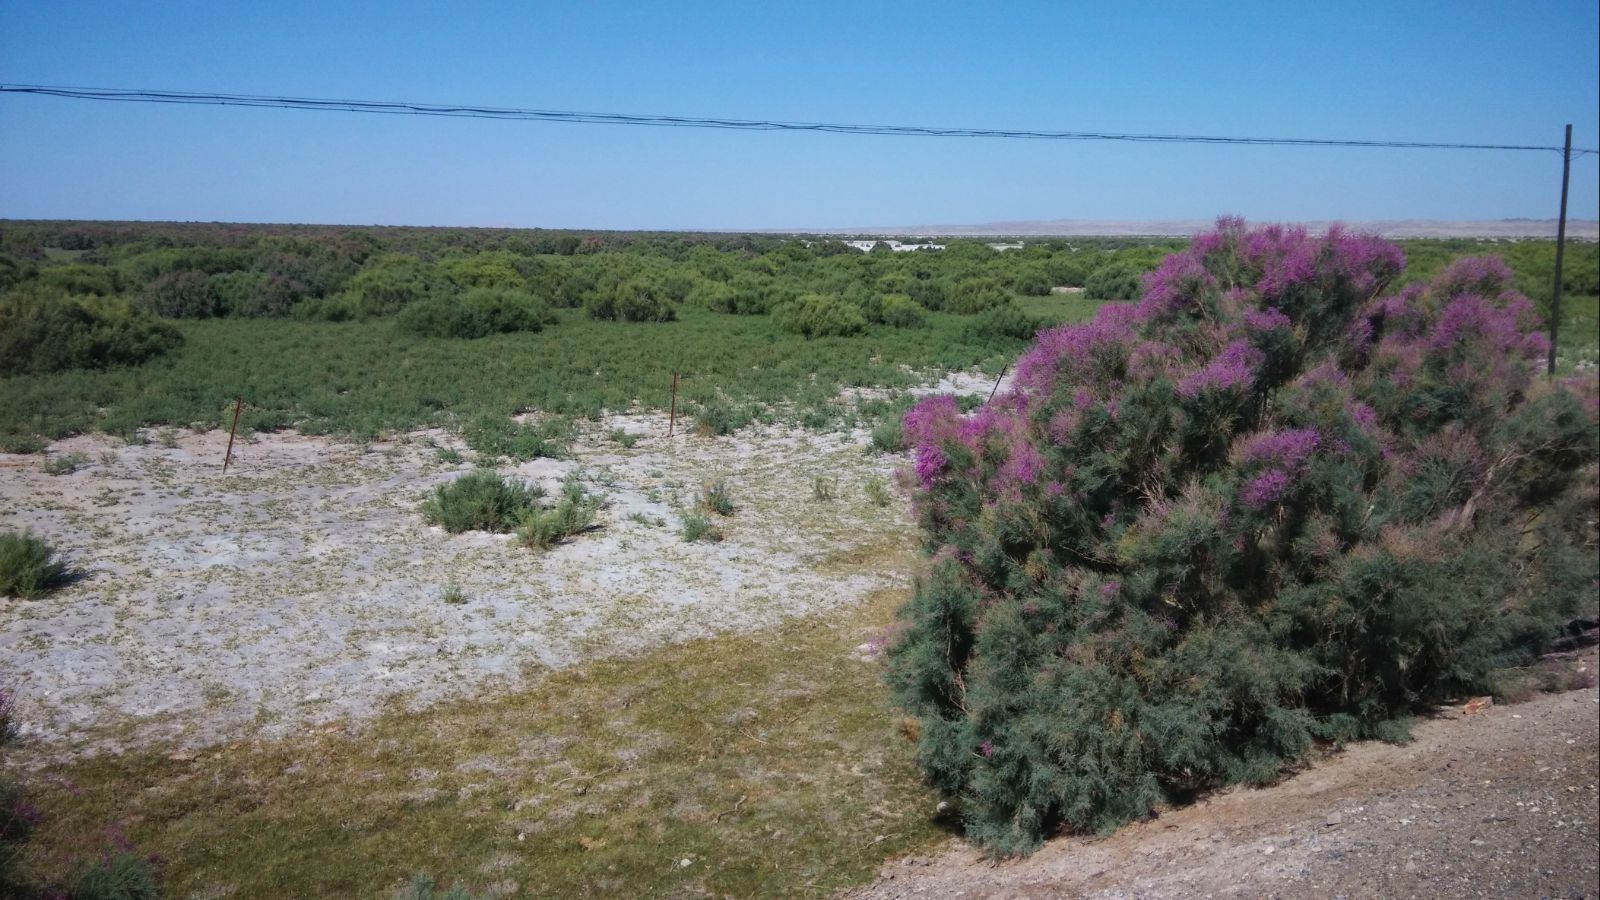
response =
{"points": [[1453, 71]]}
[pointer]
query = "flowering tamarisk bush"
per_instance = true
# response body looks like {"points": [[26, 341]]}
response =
{"points": [[1279, 500]]}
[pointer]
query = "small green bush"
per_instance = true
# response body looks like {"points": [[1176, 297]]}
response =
{"points": [[878, 491], [478, 313], [716, 497], [824, 489], [888, 436], [573, 513], [1005, 323], [974, 295], [625, 440], [28, 566], [181, 295], [422, 887], [480, 501], [820, 315], [66, 464], [698, 528]]}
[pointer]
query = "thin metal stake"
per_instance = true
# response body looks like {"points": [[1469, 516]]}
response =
{"points": [[997, 382], [1561, 246], [672, 417], [238, 404]]}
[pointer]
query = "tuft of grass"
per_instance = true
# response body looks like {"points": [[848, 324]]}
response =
{"points": [[480, 501], [824, 489], [878, 491], [167, 438], [422, 887], [716, 496], [698, 528], [65, 464], [448, 455], [573, 513], [453, 594], [771, 760], [29, 568], [717, 418], [624, 439]]}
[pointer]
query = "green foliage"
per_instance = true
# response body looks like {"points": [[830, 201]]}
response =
{"points": [[820, 315], [974, 295], [480, 501], [47, 331], [900, 311], [634, 300], [181, 295], [1005, 322], [878, 491], [422, 887], [824, 488], [478, 313], [716, 496], [718, 417], [121, 876], [697, 527], [573, 513], [624, 439], [65, 464], [29, 568], [494, 436], [1114, 281]]}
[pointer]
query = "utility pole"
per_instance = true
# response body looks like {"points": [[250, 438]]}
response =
{"points": [[1561, 246]]}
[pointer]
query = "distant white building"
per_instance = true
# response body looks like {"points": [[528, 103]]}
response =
{"points": [[896, 246]]}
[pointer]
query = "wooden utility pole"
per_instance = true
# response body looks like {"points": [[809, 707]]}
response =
{"points": [[672, 417], [1561, 246]]}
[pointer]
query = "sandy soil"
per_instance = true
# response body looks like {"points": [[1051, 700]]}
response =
{"points": [[1501, 803], [303, 586]]}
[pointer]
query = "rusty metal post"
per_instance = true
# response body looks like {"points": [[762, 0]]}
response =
{"points": [[997, 382], [672, 416], [1561, 245], [238, 404]]}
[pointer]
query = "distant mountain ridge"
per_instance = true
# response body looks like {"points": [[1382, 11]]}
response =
{"points": [[1577, 229]]}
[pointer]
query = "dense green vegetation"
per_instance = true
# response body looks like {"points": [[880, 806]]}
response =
{"points": [[356, 331]]}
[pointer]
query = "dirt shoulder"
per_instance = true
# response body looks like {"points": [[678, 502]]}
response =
{"points": [[1502, 803]]}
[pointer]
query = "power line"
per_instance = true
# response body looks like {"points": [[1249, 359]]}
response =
{"points": [[384, 107]]}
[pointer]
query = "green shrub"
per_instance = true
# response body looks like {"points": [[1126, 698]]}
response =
{"points": [[29, 568], [478, 313], [878, 491], [422, 887], [634, 300], [181, 295], [65, 464], [698, 528], [1004, 323], [47, 331], [974, 295], [624, 439], [573, 513], [1114, 281], [824, 488], [900, 311], [480, 501], [1277, 502], [718, 418], [716, 496], [820, 315], [888, 436]]}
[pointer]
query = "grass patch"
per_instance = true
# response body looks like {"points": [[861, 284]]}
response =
{"points": [[769, 760], [717, 497], [65, 464], [697, 527]]}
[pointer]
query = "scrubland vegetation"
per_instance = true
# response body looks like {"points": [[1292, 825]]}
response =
{"points": [[1272, 493]]}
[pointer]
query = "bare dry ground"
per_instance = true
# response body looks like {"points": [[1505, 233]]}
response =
{"points": [[1502, 803], [304, 586]]}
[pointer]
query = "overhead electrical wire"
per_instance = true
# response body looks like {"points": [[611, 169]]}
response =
{"points": [[384, 107]]}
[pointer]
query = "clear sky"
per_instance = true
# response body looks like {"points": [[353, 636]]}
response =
{"points": [[1493, 72]]}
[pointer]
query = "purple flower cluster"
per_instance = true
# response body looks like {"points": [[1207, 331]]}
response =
{"points": [[1234, 367], [1265, 489], [1288, 449]]}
